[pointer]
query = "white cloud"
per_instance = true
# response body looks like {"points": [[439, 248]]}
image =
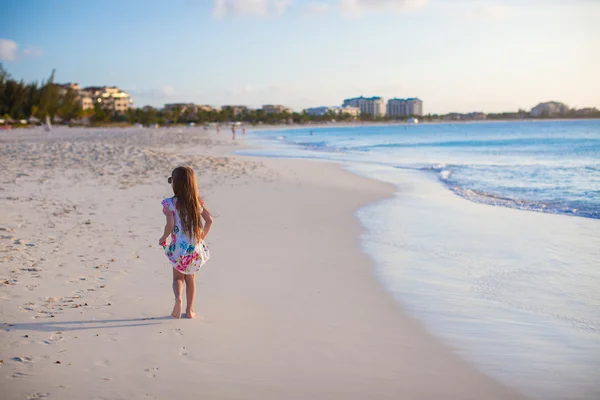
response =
{"points": [[253, 8], [8, 50], [316, 8], [359, 7]]}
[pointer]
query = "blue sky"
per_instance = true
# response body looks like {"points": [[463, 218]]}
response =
{"points": [[456, 55]]}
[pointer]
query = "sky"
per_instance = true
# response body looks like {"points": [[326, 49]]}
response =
{"points": [[455, 55]]}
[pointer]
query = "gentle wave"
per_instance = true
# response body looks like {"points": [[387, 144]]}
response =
{"points": [[547, 166], [576, 144], [574, 208]]}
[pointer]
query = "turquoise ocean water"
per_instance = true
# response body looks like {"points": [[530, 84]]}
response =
{"points": [[492, 241]]}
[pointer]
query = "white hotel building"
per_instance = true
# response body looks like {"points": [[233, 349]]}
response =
{"points": [[374, 106], [404, 107]]}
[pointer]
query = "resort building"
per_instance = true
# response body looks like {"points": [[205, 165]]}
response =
{"points": [[85, 101], [404, 107], [189, 108], [237, 110], [275, 109], [207, 108], [108, 97], [549, 109], [64, 87], [374, 106], [181, 107], [320, 111]]}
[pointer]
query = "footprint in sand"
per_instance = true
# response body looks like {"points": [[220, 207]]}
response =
{"points": [[54, 338], [38, 395], [184, 351], [28, 307], [151, 372], [23, 359], [177, 331], [17, 375]]}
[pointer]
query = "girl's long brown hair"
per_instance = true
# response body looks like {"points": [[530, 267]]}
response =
{"points": [[189, 202]]}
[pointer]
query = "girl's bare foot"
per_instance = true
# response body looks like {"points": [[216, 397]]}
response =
{"points": [[177, 309], [190, 314]]}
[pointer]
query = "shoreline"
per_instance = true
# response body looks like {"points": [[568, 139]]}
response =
{"points": [[530, 313], [472, 277], [268, 127], [288, 306], [317, 148]]}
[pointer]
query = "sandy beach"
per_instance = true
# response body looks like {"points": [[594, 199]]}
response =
{"points": [[288, 306]]}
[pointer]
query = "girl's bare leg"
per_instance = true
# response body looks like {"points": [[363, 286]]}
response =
{"points": [[190, 293], [178, 278]]}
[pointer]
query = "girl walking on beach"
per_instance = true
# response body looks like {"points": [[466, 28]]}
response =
{"points": [[187, 251]]}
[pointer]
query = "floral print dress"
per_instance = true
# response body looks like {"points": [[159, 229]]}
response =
{"points": [[185, 256]]}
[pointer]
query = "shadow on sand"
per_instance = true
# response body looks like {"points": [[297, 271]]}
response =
{"points": [[51, 326]]}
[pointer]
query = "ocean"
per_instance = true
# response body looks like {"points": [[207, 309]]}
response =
{"points": [[492, 240]]}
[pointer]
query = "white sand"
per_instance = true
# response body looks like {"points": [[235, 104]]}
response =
{"points": [[288, 307]]}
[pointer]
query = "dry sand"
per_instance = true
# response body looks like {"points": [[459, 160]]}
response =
{"points": [[288, 307]]}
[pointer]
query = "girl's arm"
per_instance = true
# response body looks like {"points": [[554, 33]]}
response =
{"points": [[207, 222], [168, 227]]}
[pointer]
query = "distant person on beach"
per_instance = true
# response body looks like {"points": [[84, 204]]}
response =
{"points": [[187, 251], [218, 129], [233, 131]]}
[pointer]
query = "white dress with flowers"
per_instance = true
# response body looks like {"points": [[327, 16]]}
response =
{"points": [[185, 256]]}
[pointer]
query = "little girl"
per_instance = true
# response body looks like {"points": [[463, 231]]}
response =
{"points": [[187, 251]]}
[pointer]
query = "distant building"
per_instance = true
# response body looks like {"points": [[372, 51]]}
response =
{"points": [[587, 112], [452, 117], [108, 97], [396, 107], [475, 116], [206, 108], [320, 111], [189, 108], [64, 87], [85, 101], [414, 106], [275, 109], [237, 110], [374, 106], [404, 107], [181, 107], [549, 109]]}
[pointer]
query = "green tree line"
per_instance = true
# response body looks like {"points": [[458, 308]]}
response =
{"points": [[20, 100], [150, 115]]}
